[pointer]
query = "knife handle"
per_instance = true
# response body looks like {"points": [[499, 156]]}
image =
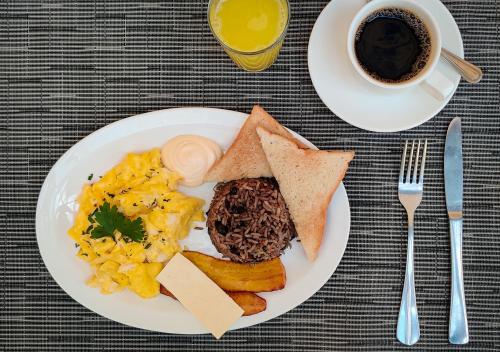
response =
{"points": [[458, 332]]}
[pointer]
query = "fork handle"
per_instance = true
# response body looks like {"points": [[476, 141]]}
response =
{"points": [[458, 331], [408, 329]]}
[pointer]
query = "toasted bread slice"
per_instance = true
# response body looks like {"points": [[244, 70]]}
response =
{"points": [[245, 157], [307, 179]]}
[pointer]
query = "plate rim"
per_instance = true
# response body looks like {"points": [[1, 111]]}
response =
{"points": [[323, 98], [241, 322]]}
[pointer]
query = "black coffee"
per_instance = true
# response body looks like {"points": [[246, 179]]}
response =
{"points": [[392, 45]]}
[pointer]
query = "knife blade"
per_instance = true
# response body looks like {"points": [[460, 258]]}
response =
{"points": [[458, 331], [453, 169]]}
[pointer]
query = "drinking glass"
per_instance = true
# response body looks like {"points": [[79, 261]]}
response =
{"points": [[253, 61]]}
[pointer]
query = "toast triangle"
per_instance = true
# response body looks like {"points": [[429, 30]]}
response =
{"points": [[245, 157], [307, 179]]}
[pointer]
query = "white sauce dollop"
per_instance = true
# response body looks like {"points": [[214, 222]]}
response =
{"points": [[191, 157]]}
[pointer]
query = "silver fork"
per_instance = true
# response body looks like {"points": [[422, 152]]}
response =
{"points": [[410, 196]]}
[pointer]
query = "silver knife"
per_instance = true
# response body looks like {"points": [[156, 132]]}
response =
{"points": [[458, 332]]}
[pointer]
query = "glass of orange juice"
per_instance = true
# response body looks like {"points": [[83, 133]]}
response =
{"points": [[250, 31]]}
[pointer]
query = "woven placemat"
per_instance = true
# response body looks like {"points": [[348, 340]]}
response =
{"points": [[68, 68]]}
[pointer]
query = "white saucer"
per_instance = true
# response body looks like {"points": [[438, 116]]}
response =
{"points": [[355, 100]]}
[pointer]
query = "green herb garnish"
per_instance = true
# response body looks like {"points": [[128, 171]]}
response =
{"points": [[108, 220], [91, 176]]}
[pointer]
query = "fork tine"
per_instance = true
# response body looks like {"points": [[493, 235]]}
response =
{"points": [[416, 163], [408, 172], [403, 159], [422, 168]]}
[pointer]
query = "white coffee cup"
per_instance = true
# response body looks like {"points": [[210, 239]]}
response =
{"points": [[433, 81]]}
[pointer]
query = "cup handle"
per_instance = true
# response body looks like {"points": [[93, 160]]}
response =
{"points": [[438, 85]]}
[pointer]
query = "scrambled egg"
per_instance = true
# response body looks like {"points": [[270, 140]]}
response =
{"points": [[140, 187]]}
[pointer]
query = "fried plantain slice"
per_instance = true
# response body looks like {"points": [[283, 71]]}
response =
{"points": [[249, 302], [230, 276]]}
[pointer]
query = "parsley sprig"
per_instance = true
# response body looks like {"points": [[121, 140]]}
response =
{"points": [[106, 220]]}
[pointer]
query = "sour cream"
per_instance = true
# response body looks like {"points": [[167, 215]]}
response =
{"points": [[191, 157]]}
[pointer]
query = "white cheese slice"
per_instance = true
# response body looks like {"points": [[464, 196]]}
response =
{"points": [[199, 295]]}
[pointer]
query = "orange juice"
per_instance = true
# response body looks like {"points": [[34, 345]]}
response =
{"points": [[251, 31]]}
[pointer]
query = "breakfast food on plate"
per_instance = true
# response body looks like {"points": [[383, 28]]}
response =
{"points": [[245, 157], [307, 180], [213, 307], [239, 281], [230, 276], [130, 222], [248, 220], [191, 157], [248, 301], [271, 189]]}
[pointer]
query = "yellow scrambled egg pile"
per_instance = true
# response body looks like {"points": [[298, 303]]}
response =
{"points": [[139, 186]]}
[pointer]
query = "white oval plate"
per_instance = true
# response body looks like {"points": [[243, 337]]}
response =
{"points": [[355, 100], [104, 148]]}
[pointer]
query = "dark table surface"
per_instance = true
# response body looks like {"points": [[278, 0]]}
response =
{"points": [[68, 68]]}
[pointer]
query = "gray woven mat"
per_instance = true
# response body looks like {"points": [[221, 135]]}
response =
{"points": [[68, 68]]}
